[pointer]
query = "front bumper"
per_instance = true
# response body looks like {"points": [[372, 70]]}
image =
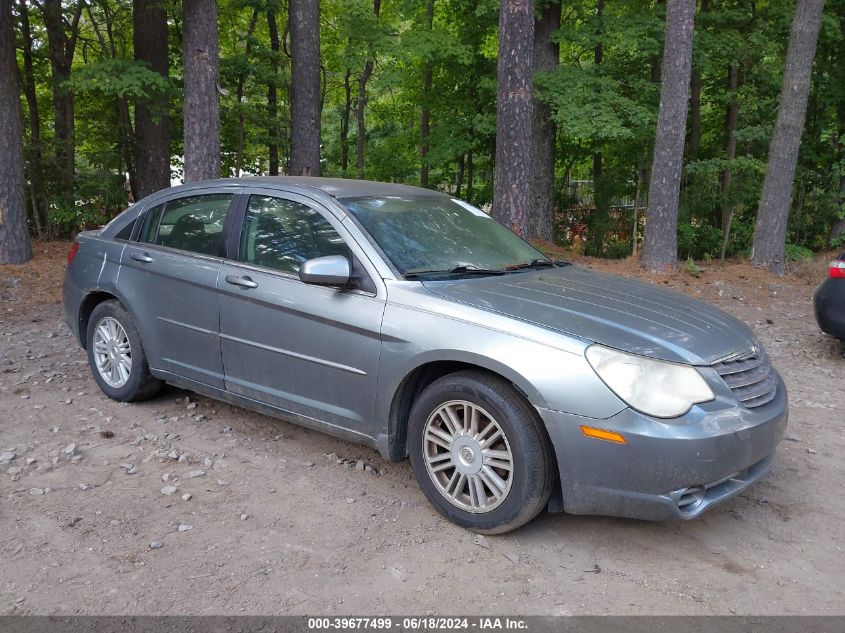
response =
{"points": [[669, 469]]}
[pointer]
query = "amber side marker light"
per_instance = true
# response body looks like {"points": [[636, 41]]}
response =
{"points": [[601, 434]]}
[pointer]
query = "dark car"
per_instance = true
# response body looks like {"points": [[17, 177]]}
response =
{"points": [[829, 300]]}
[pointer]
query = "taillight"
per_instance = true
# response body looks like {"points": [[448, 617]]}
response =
{"points": [[74, 249], [836, 269]]}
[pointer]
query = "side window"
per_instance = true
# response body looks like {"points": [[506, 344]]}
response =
{"points": [[193, 223], [148, 230], [281, 234], [126, 232]]}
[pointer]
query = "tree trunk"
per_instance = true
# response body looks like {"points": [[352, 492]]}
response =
{"points": [[272, 95], [470, 175], [598, 57], [694, 136], [660, 247], [35, 155], [425, 117], [459, 176], [731, 121], [546, 55], [239, 95], [654, 62], [425, 124], [360, 106], [361, 103], [304, 24], [126, 143], [14, 238], [201, 104], [512, 179], [61, 47], [344, 121], [641, 174], [838, 229], [125, 134], [152, 123], [597, 221], [596, 173], [770, 231]]}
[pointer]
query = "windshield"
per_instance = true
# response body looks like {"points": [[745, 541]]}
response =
{"points": [[436, 234]]}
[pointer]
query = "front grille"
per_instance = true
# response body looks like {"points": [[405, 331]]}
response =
{"points": [[750, 376]]}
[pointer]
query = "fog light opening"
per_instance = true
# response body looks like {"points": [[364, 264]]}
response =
{"points": [[690, 498]]}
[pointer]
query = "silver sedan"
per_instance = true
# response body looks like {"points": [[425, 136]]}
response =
{"points": [[410, 321]]}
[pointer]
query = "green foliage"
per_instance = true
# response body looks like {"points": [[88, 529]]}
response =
{"points": [[691, 268], [608, 108], [100, 196], [593, 108], [113, 78], [700, 241], [798, 253]]}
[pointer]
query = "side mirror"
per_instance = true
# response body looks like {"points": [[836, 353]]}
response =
{"points": [[333, 270]]}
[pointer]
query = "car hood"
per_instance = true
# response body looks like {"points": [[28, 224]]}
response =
{"points": [[628, 315]]}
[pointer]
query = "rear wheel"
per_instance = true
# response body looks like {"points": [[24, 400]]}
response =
{"points": [[479, 452], [116, 355]]}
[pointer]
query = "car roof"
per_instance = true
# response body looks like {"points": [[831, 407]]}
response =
{"points": [[335, 187]]}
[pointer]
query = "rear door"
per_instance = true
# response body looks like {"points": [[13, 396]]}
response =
{"points": [[309, 350], [169, 277]]}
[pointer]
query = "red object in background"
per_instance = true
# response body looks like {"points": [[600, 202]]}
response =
{"points": [[836, 269], [74, 249]]}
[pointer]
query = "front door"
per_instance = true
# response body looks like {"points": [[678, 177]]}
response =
{"points": [[309, 350], [171, 275]]}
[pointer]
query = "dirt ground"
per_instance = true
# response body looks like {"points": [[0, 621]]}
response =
{"points": [[270, 518]]}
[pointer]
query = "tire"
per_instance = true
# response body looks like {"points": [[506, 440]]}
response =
{"points": [[519, 493], [135, 383]]}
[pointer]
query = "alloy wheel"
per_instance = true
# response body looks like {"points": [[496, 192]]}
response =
{"points": [[467, 456], [112, 352]]}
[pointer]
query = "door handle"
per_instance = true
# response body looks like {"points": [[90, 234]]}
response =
{"points": [[243, 282], [139, 257]]}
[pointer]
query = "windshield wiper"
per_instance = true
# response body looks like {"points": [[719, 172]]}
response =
{"points": [[463, 269], [534, 263]]}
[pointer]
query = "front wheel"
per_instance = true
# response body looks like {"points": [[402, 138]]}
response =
{"points": [[479, 452], [116, 355]]}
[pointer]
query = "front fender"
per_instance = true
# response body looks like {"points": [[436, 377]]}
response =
{"points": [[548, 368], [493, 365]]}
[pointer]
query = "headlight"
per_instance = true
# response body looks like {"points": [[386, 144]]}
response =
{"points": [[654, 387]]}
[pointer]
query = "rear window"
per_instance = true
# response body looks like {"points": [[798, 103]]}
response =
{"points": [[192, 223]]}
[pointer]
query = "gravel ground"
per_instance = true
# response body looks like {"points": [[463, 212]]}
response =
{"points": [[184, 505]]}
